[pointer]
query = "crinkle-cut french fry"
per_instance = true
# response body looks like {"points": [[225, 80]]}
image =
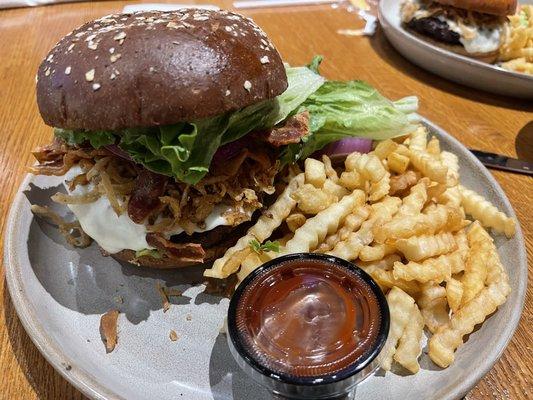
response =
{"points": [[413, 203], [351, 223], [409, 347], [368, 165], [386, 280], [486, 213], [315, 229], [454, 293], [419, 139], [250, 263], [447, 339], [263, 228], [385, 263], [435, 220], [476, 271], [433, 147], [433, 306], [381, 212], [432, 168], [400, 306], [495, 269], [312, 200], [435, 190], [351, 180], [379, 189], [451, 197], [401, 183], [398, 162], [385, 148], [417, 248], [402, 150], [375, 252], [294, 221], [334, 189], [330, 171], [315, 172], [431, 270], [462, 246], [451, 161]]}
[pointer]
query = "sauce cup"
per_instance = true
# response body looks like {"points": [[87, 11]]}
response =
{"points": [[308, 326]]}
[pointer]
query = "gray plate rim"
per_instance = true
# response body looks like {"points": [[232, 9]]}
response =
{"points": [[93, 389]]}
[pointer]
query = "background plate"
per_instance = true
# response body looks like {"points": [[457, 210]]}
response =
{"points": [[59, 294], [449, 65]]}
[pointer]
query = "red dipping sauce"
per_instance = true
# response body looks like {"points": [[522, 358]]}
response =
{"points": [[308, 318]]}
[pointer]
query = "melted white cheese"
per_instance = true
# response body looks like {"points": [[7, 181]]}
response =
{"points": [[116, 233], [113, 233], [484, 39]]}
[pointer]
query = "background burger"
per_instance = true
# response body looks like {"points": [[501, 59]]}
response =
{"points": [[473, 28], [173, 128]]}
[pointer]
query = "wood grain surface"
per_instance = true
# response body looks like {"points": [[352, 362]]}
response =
{"points": [[480, 120]]}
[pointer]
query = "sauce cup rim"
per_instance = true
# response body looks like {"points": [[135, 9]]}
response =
{"points": [[341, 375]]}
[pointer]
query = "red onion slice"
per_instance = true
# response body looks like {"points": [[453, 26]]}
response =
{"points": [[113, 148], [347, 146]]}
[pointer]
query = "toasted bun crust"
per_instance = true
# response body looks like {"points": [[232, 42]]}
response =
{"points": [[157, 68], [459, 49], [495, 7]]}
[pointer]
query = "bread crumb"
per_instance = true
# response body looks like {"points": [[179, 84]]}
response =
{"points": [[96, 86], [108, 329], [247, 85], [188, 317]]}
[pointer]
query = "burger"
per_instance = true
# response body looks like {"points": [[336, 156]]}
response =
{"points": [[171, 129], [473, 28]]}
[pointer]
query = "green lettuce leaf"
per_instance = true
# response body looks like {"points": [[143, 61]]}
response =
{"points": [[265, 247], [97, 139], [337, 110], [351, 109]]}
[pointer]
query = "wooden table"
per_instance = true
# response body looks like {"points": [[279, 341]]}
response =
{"points": [[479, 120]]}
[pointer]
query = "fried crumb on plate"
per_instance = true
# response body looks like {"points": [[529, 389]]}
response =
{"points": [[165, 293], [108, 329], [173, 335]]}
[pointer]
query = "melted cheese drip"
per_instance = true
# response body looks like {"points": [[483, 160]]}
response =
{"points": [[116, 233], [113, 233], [479, 40]]}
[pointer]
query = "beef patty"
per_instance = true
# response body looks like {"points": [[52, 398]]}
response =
{"points": [[435, 29]]}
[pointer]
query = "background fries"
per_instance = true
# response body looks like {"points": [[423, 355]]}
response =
{"points": [[399, 213]]}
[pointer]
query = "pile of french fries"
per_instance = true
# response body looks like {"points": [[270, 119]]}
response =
{"points": [[517, 47], [399, 213]]}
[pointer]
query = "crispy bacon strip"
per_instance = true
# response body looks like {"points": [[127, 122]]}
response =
{"points": [[57, 158], [292, 130], [149, 186], [186, 252]]}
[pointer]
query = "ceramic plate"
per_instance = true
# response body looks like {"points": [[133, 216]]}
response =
{"points": [[60, 293], [449, 65]]}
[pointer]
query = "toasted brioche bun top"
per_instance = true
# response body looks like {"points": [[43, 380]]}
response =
{"points": [[157, 68], [495, 7]]}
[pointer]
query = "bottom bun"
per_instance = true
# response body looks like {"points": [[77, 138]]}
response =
{"points": [[490, 57], [165, 262], [215, 243]]}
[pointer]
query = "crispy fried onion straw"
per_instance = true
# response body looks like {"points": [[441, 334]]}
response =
{"points": [[71, 231]]}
